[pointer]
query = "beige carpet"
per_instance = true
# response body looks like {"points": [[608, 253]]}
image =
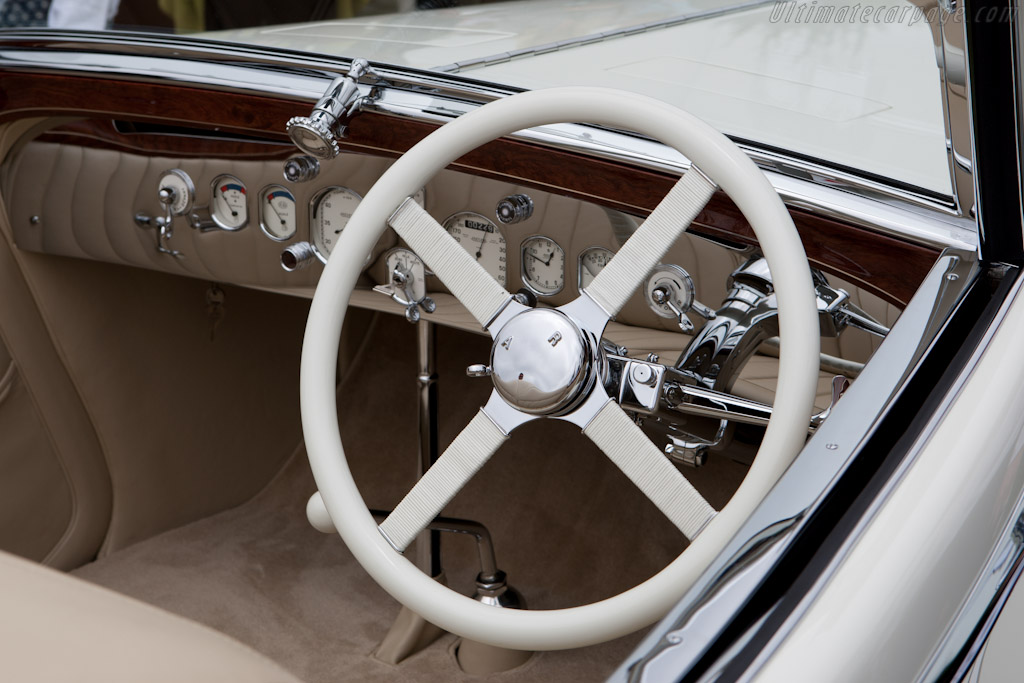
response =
{"points": [[568, 529]]}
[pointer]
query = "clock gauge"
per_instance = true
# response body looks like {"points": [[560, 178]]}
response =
{"points": [[543, 265]]}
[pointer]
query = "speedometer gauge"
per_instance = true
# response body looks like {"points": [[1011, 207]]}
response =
{"points": [[329, 212], [482, 239], [230, 203], [277, 213]]}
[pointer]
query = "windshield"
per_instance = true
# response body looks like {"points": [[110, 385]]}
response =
{"points": [[851, 84]]}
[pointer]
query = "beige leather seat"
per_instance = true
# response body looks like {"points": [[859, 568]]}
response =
{"points": [[57, 628]]}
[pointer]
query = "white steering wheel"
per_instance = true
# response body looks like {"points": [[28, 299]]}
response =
{"points": [[546, 363]]}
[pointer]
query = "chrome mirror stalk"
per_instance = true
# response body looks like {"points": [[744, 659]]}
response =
{"points": [[317, 133]]}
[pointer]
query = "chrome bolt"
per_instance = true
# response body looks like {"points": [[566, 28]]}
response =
{"points": [[642, 374]]}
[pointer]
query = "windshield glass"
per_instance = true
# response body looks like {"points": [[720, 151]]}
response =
{"points": [[853, 84]]}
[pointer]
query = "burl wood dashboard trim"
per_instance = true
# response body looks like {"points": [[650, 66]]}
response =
{"points": [[883, 265]]}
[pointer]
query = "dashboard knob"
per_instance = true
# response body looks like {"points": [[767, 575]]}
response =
{"points": [[301, 168], [515, 208], [297, 256]]}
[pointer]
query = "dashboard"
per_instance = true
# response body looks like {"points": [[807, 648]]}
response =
{"points": [[232, 220]]}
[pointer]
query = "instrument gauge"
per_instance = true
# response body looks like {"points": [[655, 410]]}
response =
{"points": [[482, 239], [329, 212], [277, 213], [543, 265], [406, 269], [229, 207], [182, 189], [592, 261]]}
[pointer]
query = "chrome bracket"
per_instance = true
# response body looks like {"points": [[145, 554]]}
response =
{"points": [[636, 384], [836, 312], [400, 290], [164, 226]]}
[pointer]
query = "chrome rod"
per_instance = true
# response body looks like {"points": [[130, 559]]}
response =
{"points": [[484, 544], [429, 553], [694, 400]]}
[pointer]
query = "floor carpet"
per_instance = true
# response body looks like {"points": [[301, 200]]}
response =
{"points": [[568, 527]]}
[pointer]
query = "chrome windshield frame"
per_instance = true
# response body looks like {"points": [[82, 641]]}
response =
{"points": [[915, 215]]}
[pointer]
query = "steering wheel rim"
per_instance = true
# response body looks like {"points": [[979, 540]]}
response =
{"points": [[732, 170]]}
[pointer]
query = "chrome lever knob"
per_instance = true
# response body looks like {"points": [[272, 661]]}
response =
{"points": [[299, 169], [478, 370]]}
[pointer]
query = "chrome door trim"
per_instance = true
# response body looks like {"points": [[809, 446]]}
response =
{"points": [[707, 608]]}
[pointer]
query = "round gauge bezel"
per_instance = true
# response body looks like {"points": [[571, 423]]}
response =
{"points": [[497, 229], [388, 254], [313, 203], [671, 267], [263, 225], [522, 265], [213, 196], [191, 186], [579, 264]]}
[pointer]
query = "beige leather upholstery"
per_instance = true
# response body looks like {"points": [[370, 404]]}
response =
{"points": [[171, 408], [56, 629], [55, 491]]}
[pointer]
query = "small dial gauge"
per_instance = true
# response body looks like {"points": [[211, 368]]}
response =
{"points": [[182, 189], [592, 262], [543, 265], [407, 272], [229, 204], [329, 213], [277, 213], [482, 239]]}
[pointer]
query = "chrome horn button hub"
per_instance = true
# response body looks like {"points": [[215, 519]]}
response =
{"points": [[541, 362]]}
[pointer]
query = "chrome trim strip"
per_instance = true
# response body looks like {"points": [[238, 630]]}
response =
{"points": [[684, 635], [589, 39], [949, 38], [439, 98]]}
